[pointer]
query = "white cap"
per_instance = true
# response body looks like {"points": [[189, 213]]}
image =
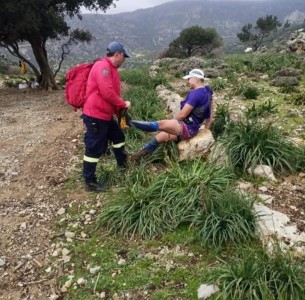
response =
{"points": [[194, 73]]}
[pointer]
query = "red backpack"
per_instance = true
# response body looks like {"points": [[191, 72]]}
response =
{"points": [[76, 82]]}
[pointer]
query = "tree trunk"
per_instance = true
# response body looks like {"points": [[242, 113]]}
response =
{"points": [[47, 80]]}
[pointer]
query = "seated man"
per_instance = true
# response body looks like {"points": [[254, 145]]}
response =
{"points": [[196, 108]]}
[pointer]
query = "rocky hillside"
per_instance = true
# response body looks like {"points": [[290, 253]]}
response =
{"points": [[152, 29]]}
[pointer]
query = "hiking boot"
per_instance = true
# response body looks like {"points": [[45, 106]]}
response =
{"points": [[136, 157], [93, 186]]}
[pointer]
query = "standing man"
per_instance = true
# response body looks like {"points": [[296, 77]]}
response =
{"points": [[103, 100]]}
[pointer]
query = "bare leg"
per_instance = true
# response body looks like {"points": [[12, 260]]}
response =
{"points": [[169, 126], [164, 137]]}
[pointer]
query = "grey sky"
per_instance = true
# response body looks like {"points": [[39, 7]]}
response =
{"points": [[131, 5]]}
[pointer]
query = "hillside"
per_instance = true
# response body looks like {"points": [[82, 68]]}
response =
{"points": [[154, 28], [157, 243]]}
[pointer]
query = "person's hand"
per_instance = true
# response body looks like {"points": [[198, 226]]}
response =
{"points": [[127, 104]]}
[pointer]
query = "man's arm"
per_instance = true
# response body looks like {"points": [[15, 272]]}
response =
{"points": [[186, 110]]}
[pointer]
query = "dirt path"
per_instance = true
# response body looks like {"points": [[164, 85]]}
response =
{"points": [[38, 137]]}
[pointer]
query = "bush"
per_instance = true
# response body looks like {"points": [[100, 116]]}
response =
{"points": [[226, 218], [221, 120], [268, 63], [298, 99], [218, 84], [251, 144], [152, 205], [261, 110], [251, 92], [255, 275]]}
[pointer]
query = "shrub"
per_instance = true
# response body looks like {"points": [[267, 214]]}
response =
{"points": [[298, 99], [226, 218], [251, 92], [218, 84], [261, 110], [152, 205], [221, 120], [288, 89], [251, 144], [255, 275], [145, 104]]}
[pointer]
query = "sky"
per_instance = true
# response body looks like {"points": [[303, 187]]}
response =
{"points": [[132, 5]]}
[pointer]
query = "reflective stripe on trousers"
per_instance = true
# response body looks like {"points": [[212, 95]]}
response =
{"points": [[90, 159]]}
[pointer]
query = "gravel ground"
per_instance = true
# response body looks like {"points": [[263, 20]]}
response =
{"points": [[39, 134]]}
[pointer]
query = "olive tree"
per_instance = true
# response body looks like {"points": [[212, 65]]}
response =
{"points": [[256, 35], [194, 40], [36, 22]]}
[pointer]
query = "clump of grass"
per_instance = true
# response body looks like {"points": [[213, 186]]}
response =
{"points": [[298, 99], [251, 92], [287, 89], [145, 104], [152, 205], [256, 275], [250, 144], [218, 84], [221, 120], [227, 218], [261, 110]]}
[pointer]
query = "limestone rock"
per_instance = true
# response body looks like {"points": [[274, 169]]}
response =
{"points": [[262, 171], [171, 99], [196, 146]]}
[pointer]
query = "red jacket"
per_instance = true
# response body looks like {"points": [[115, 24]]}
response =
{"points": [[103, 91]]}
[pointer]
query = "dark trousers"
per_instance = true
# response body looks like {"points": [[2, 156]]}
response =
{"points": [[98, 134]]}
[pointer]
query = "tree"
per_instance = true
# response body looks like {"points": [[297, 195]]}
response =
{"points": [[256, 36], [36, 22], [194, 40]]}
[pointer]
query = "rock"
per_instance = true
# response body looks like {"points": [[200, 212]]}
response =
{"points": [[296, 42], [198, 146], [61, 211], [170, 98], [205, 291], [65, 252], [218, 156], [262, 171], [285, 81], [94, 270], [102, 295], [81, 281], [2, 262], [273, 223], [69, 234], [244, 186], [266, 198], [121, 262]]}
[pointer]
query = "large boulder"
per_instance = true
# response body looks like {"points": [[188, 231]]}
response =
{"points": [[171, 99], [198, 146], [296, 42], [285, 81]]}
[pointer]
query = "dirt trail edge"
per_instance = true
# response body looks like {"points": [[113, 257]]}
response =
{"points": [[39, 134]]}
